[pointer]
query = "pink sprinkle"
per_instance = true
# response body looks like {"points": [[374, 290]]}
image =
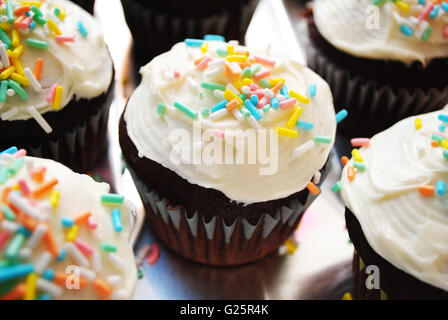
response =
{"points": [[445, 32], [253, 87], [50, 96], [263, 101], [4, 237], [259, 93], [426, 11], [265, 61], [26, 22], [204, 63], [91, 223], [84, 247], [176, 74], [219, 133], [24, 187], [154, 254], [19, 154], [262, 74], [360, 142], [63, 39], [288, 103]]}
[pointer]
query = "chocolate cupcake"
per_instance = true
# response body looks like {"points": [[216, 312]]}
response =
{"points": [[87, 5], [394, 190], [62, 235], [56, 83], [192, 135], [383, 62], [156, 25]]}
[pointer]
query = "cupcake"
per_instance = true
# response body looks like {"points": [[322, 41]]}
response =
{"points": [[62, 235], [224, 147], [394, 190], [384, 60], [87, 5], [156, 25], [56, 83]]}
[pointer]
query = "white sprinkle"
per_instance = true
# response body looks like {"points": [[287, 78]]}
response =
{"points": [[253, 123], [238, 115], [9, 114], [297, 152], [118, 295], [10, 226], [282, 250], [4, 56], [237, 67], [87, 273], [42, 262], [23, 205], [317, 177], [40, 120], [193, 85], [33, 81], [76, 254], [218, 93], [37, 235], [10, 92], [218, 114], [49, 287], [245, 89], [210, 73], [96, 261], [280, 97], [232, 88], [219, 62], [25, 253], [269, 93], [234, 42], [114, 280], [116, 260], [77, 68]]}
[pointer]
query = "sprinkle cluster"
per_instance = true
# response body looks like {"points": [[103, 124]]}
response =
{"points": [[19, 18], [439, 139], [25, 234], [422, 13]]}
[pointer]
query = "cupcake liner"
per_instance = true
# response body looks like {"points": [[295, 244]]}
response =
{"points": [[372, 107], [79, 137], [217, 242], [155, 31], [87, 5]]}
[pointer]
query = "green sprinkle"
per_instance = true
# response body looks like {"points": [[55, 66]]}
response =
{"points": [[212, 86], [4, 91], [247, 73], [445, 154], [186, 109], [38, 44], [322, 139], [205, 112], [39, 20], [9, 12], [255, 68], [139, 274], [264, 83], [57, 11], [266, 108], [161, 108], [4, 37], [246, 113], [359, 165], [243, 96], [107, 247], [112, 198], [18, 89], [337, 187], [437, 138], [16, 166], [3, 174], [12, 251], [201, 95], [222, 52], [426, 34], [8, 213], [37, 12]]}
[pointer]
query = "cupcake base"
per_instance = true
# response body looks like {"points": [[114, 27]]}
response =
{"points": [[377, 93], [202, 224], [79, 137], [395, 284]]}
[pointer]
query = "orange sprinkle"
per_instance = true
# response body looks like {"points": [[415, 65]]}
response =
{"points": [[18, 21], [198, 61], [313, 188], [29, 223], [344, 160], [232, 105], [17, 293], [51, 243], [242, 53], [426, 190], [277, 86], [434, 143], [21, 10], [102, 288], [351, 173], [5, 193], [38, 174], [82, 217], [60, 278], [38, 68], [43, 189], [231, 71]]}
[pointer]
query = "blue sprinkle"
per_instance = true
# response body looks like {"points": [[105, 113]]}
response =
{"points": [[341, 115], [82, 29], [275, 103], [48, 274], [45, 296], [253, 110], [406, 30], [305, 125], [11, 150], [33, 25], [254, 99], [312, 90], [193, 42], [62, 255], [285, 92], [214, 37], [422, 2], [443, 117], [441, 187], [442, 128], [219, 106], [68, 222], [116, 220], [444, 6], [434, 12], [24, 231]]}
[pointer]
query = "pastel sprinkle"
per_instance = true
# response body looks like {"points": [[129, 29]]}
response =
{"points": [[341, 115], [186, 109]]}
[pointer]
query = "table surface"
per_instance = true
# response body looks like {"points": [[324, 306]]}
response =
{"points": [[319, 269]]}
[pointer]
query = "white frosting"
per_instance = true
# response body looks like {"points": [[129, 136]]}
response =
{"points": [[349, 26], [243, 183], [78, 194], [84, 67], [406, 228]]}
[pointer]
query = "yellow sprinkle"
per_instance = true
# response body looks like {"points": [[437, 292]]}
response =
{"points": [[5, 26], [357, 155], [72, 233], [291, 247], [54, 198], [57, 97], [403, 6], [31, 3], [383, 295], [418, 124], [17, 51], [236, 58], [238, 84], [286, 132], [231, 49], [62, 14], [15, 38], [204, 47], [17, 65], [299, 97], [274, 81], [347, 296], [16, 187], [295, 116], [247, 81], [229, 95], [362, 265], [7, 73], [20, 79], [30, 286], [54, 28], [444, 143]]}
